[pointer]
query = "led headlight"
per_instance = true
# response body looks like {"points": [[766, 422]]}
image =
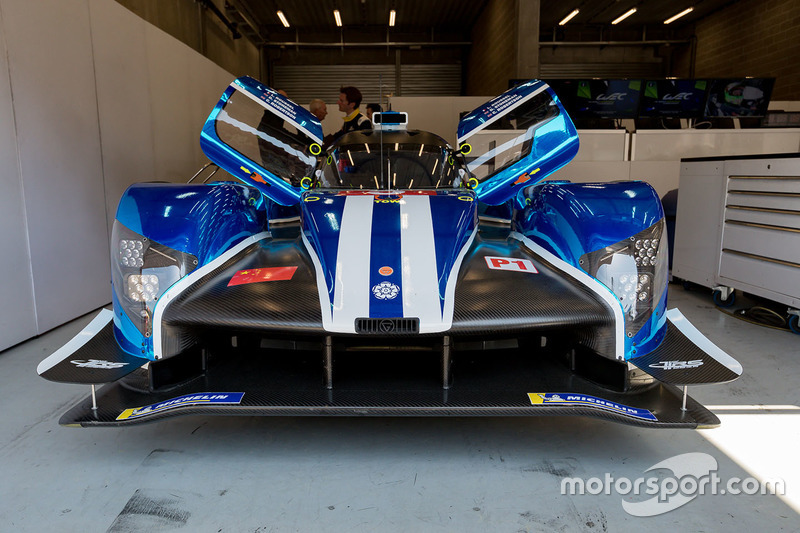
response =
{"points": [[142, 270], [636, 271]]}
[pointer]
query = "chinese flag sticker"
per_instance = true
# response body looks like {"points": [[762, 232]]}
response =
{"points": [[256, 275]]}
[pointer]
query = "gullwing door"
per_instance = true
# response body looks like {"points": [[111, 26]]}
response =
{"points": [[263, 138], [515, 140]]}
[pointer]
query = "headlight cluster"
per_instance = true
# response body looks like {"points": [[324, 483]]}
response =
{"points": [[142, 270], [131, 253], [646, 252], [635, 269]]}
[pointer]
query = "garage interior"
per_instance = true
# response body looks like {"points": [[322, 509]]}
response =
{"points": [[98, 94]]}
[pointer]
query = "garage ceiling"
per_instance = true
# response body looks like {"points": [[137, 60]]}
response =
{"points": [[258, 18]]}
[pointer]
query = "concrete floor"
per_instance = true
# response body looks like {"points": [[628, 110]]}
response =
{"points": [[408, 474]]}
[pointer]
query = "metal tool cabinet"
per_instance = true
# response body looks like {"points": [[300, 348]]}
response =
{"points": [[738, 226]]}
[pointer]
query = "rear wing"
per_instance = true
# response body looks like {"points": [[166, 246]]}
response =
{"points": [[264, 139], [516, 140]]}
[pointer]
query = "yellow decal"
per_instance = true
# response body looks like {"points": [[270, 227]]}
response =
{"points": [[466, 148], [535, 171], [305, 183], [311, 198], [470, 183], [126, 414], [536, 398], [466, 198], [315, 149], [246, 171]]}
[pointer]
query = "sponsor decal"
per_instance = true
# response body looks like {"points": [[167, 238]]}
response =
{"points": [[256, 275], [679, 96], [507, 263], [385, 271], [565, 398], [612, 96], [388, 200], [220, 398], [97, 363], [677, 365], [525, 177], [385, 290]]}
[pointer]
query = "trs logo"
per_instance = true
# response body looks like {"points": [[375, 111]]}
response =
{"points": [[612, 96], [508, 263], [679, 96], [677, 365]]}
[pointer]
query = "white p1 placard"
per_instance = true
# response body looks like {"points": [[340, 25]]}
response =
{"points": [[510, 263]]}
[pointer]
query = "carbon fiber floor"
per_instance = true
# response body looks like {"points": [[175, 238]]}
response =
{"points": [[377, 383]]}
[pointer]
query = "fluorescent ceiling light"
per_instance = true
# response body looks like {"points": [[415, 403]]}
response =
{"points": [[622, 17], [338, 17], [392, 16], [283, 19], [679, 15], [568, 17]]}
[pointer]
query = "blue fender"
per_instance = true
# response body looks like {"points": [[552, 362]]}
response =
{"points": [[581, 221], [202, 220]]}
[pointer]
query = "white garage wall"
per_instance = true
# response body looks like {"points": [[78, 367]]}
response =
{"points": [[17, 314], [92, 99]]}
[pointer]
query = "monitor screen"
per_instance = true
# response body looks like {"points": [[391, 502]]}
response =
{"points": [[673, 98], [739, 97], [606, 98]]}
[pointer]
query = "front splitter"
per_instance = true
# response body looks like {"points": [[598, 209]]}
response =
{"points": [[506, 383]]}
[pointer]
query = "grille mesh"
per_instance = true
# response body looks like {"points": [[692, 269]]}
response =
{"points": [[387, 326]]}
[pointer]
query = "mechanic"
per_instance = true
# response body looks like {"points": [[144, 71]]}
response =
{"points": [[318, 108], [349, 100], [373, 108]]}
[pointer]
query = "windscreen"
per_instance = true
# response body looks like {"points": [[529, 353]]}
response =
{"points": [[266, 139], [405, 166]]}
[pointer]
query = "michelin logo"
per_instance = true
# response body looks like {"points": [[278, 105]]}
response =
{"points": [[228, 398], [550, 398]]}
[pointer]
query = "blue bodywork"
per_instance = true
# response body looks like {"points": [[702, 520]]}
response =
{"points": [[201, 220], [454, 218], [573, 219], [567, 219]]}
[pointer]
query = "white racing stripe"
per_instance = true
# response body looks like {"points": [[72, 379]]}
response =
{"points": [[702, 342], [351, 290], [78, 341], [187, 281], [420, 281], [591, 283], [450, 289]]}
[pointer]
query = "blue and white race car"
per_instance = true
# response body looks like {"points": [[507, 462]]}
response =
{"points": [[390, 274]]}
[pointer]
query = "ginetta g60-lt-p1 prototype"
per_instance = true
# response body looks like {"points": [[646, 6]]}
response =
{"points": [[391, 274]]}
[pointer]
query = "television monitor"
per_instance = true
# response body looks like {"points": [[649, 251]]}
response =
{"points": [[565, 90], [606, 98], [673, 98], [739, 97]]}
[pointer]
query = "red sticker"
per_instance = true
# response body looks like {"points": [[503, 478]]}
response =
{"points": [[256, 275], [385, 271], [509, 263]]}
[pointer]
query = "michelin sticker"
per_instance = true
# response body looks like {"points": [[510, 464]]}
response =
{"points": [[564, 398], [223, 398]]}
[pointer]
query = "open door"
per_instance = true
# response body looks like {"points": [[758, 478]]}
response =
{"points": [[529, 137], [264, 139]]}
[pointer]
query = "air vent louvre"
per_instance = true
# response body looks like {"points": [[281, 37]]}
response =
{"points": [[387, 326]]}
